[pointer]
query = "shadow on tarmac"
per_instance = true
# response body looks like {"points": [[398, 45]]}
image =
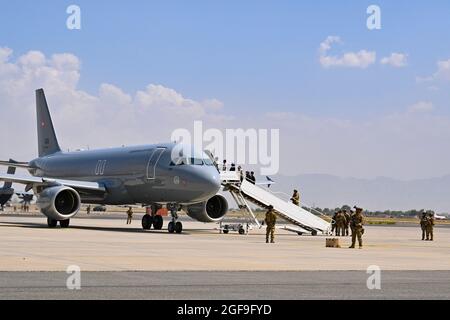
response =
{"points": [[32, 225]]}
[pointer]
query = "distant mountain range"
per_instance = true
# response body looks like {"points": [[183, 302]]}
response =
{"points": [[327, 191]]}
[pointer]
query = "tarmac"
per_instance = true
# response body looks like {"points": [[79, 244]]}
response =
{"points": [[220, 285], [120, 261]]}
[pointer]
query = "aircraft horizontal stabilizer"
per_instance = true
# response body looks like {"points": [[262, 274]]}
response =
{"points": [[15, 164]]}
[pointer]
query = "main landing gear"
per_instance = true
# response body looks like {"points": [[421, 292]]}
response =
{"points": [[152, 219], [52, 223], [148, 221]]}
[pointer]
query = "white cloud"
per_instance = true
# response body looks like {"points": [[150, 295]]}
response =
{"points": [[4, 54], [442, 73], [32, 59], [65, 61], [393, 146], [397, 60], [110, 118], [421, 106], [361, 59]]}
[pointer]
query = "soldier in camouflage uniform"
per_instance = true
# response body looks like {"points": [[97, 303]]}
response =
{"points": [[340, 223], [430, 225], [129, 215], [356, 224], [423, 224], [270, 221], [296, 198], [347, 223]]}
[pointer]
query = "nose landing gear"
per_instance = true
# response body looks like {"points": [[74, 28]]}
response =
{"points": [[174, 226]]}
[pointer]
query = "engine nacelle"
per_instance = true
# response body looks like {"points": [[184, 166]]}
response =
{"points": [[59, 203], [212, 210]]}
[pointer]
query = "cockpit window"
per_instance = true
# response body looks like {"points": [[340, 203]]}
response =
{"points": [[196, 161], [183, 155], [208, 161]]}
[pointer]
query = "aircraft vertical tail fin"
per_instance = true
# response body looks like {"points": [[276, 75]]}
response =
{"points": [[47, 141]]}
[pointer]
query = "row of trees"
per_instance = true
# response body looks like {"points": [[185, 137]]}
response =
{"points": [[386, 213]]}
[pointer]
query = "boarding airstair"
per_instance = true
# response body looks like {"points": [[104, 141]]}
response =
{"points": [[302, 216]]}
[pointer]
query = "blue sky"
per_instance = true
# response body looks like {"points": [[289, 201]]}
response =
{"points": [[251, 55], [260, 60]]}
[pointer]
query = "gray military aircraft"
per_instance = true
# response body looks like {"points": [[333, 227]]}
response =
{"points": [[168, 174]]}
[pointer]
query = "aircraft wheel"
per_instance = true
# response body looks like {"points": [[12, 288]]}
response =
{"points": [[64, 223], [147, 221], [171, 227], [52, 223], [178, 227], [158, 222]]}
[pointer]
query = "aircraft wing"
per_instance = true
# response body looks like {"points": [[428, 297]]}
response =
{"points": [[15, 164], [31, 182]]}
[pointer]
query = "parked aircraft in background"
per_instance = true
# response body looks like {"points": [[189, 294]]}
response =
{"points": [[439, 217]]}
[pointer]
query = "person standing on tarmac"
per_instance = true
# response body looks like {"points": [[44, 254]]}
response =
{"points": [[129, 215], [270, 220], [333, 222], [423, 224], [347, 222], [430, 225], [356, 224]]}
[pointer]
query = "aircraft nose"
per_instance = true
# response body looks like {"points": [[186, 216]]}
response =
{"points": [[211, 183]]}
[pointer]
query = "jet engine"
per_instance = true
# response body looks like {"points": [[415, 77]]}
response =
{"points": [[212, 210], [59, 203]]}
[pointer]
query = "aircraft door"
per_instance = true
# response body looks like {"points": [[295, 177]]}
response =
{"points": [[153, 162]]}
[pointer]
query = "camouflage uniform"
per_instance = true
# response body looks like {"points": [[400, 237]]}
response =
{"points": [[296, 198], [130, 215], [340, 223], [423, 224], [429, 226], [347, 223], [356, 224], [270, 221]]}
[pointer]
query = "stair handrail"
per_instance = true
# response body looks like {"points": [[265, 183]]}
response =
{"points": [[302, 204]]}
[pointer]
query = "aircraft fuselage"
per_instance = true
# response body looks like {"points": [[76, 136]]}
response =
{"points": [[142, 174]]}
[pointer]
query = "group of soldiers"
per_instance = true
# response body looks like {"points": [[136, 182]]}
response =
{"points": [[344, 220], [427, 225], [341, 223]]}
